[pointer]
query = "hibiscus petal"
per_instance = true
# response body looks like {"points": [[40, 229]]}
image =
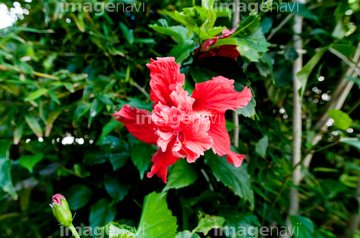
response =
{"points": [[218, 95], [221, 140], [161, 162], [227, 33], [197, 139], [139, 123], [165, 75]]}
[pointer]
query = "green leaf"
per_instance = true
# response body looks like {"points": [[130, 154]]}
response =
{"points": [[208, 222], [78, 196], [302, 227], [237, 179], [346, 50], [156, 219], [109, 127], [248, 110], [351, 141], [101, 213], [34, 125], [29, 161], [182, 174], [355, 80], [141, 157], [223, 12], [118, 160], [175, 15], [50, 121], [215, 31], [299, 9], [18, 132], [104, 99], [251, 46], [54, 97], [5, 169], [96, 158], [80, 111], [129, 35], [266, 25], [201, 74], [208, 4], [266, 67], [341, 119], [34, 95], [352, 166], [261, 146], [320, 233], [115, 230], [187, 234], [69, 87], [178, 33], [95, 109], [25, 29], [116, 189], [304, 73], [183, 50], [225, 41]]}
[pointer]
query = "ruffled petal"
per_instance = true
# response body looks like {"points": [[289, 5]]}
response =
{"points": [[221, 140], [218, 95], [227, 33], [165, 75], [139, 123], [195, 139], [161, 162], [212, 41]]}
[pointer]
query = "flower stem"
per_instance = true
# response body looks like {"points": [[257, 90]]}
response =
{"points": [[74, 231]]}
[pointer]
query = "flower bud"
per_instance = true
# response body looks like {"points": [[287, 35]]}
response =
{"points": [[60, 209]]}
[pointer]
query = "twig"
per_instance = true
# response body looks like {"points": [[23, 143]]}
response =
{"points": [[141, 89], [337, 100], [207, 179], [276, 29], [297, 123], [236, 22]]}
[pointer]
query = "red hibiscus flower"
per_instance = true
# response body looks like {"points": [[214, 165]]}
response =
{"points": [[228, 51], [180, 125]]}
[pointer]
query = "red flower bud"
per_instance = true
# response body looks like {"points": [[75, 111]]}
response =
{"points": [[60, 209]]}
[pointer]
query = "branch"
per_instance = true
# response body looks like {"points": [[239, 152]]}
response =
{"points": [[337, 100], [236, 22], [297, 123]]}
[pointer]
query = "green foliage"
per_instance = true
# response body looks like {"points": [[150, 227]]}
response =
{"points": [[101, 213], [29, 161], [140, 157], [5, 169], [261, 146], [181, 175], [78, 196], [208, 222], [63, 74], [156, 219], [341, 119], [237, 179]]}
